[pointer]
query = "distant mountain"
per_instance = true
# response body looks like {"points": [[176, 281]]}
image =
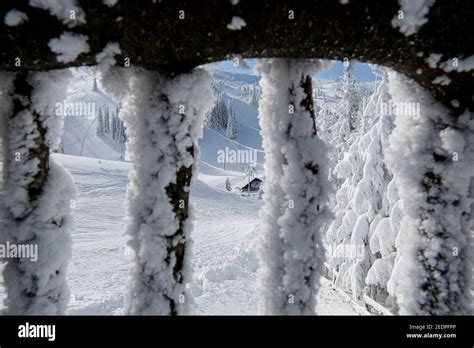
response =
{"points": [[80, 132], [80, 136], [233, 76]]}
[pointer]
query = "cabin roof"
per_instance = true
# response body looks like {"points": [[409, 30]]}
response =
{"points": [[241, 184]]}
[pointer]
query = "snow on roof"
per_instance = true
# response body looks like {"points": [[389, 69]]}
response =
{"points": [[244, 182]]}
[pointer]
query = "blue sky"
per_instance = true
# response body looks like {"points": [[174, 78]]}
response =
{"points": [[361, 72]]}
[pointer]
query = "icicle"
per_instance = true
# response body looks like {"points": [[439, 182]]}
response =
{"points": [[432, 160], [294, 210], [37, 197], [164, 118]]}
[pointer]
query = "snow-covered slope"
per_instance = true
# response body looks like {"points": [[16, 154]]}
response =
{"points": [[79, 135], [80, 138], [224, 245], [240, 89]]}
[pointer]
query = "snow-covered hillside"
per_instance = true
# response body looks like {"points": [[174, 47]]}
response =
{"points": [[80, 133], [224, 257], [79, 136]]}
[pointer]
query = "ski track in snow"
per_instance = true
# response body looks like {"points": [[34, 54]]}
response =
{"points": [[224, 246]]}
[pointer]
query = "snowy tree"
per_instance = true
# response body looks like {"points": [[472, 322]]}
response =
{"points": [[95, 88], [100, 123], [255, 93], [361, 203], [351, 99], [374, 103], [326, 120], [383, 231], [294, 212], [228, 186], [381, 201], [231, 122], [106, 122], [219, 115], [326, 123], [347, 111], [115, 127], [348, 233], [432, 273], [164, 118], [122, 132], [36, 206]]}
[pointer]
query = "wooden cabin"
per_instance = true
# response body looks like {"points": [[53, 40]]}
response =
{"points": [[254, 185]]}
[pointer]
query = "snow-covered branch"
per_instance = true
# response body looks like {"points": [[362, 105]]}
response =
{"points": [[432, 160], [37, 201], [164, 118], [296, 188]]}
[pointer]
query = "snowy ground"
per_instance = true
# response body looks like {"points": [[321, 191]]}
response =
{"points": [[224, 251]]}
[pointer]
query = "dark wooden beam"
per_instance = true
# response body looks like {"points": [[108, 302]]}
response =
{"points": [[153, 36]]}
